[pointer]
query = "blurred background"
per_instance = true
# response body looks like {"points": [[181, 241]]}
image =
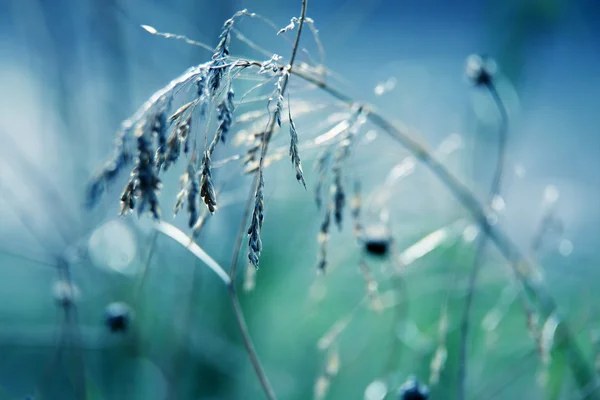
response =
{"points": [[72, 70]]}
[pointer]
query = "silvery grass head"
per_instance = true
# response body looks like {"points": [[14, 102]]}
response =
{"points": [[159, 135]]}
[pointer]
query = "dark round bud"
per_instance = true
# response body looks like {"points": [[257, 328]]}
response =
{"points": [[377, 239], [480, 70], [117, 317], [413, 390]]}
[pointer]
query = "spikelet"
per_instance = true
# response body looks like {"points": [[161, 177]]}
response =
{"points": [[176, 116], [192, 195], [173, 151], [217, 71], [322, 240], [207, 189], [144, 177], [254, 242], [203, 94], [127, 199], [294, 152], [338, 197], [158, 128], [278, 94], [225, 115]]}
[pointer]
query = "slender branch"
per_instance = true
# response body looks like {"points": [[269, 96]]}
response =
{"points": [[477, 261], [241, 322]]}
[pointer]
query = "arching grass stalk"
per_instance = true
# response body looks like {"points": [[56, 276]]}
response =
{"points": [[518, 261]]}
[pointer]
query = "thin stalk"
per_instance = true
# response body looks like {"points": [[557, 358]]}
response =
{"points": [[481, 243], [241, 323]]}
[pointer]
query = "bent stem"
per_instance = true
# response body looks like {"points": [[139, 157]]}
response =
{"points": [[181, 238], [477, 260], [519, 263]]}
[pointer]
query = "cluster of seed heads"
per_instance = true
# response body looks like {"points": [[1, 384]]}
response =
{"points": [[158, 149]]}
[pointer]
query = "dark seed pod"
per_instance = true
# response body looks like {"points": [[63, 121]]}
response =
{"points": [[480, 69], [413, 390], [376, 239], [117, 317]]}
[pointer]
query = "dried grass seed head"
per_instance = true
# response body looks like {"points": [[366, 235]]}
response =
{"points": [[254, 241], [127, 199], [225, 115], [145, 177], [217, 71], [158, 129], [192, 195], [207, 189], [278, 97], [294, 152]]}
